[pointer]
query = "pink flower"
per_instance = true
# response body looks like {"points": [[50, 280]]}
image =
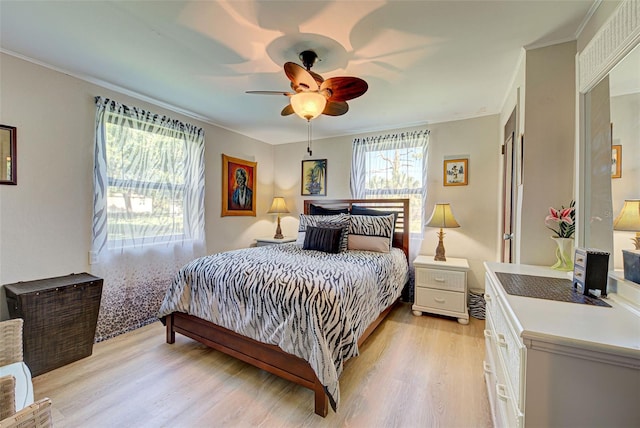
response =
{"points": [[560, 216], [564, 217]]}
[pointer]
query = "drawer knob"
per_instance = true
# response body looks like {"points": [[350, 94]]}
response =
{"points": [[439, 299], [487, 334], [487, 367], [439, 279]]}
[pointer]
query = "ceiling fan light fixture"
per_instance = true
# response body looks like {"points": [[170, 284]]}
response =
{"points": [[308, 105]]}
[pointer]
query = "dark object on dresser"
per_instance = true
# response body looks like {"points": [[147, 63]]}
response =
{"points": [[590, 270], [631, 260], [60, 316]]}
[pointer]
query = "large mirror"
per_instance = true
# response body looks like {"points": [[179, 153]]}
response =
{"points": [[612, 156], [624, 92], [8, 166]]}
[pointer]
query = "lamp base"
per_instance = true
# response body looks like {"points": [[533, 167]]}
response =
{"points": [[440, 248], [278, 234]]}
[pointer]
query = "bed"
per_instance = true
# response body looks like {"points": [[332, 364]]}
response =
{"points": [[315, 325]]}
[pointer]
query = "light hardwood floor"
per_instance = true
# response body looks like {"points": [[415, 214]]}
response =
{"points": [[412, 372]]}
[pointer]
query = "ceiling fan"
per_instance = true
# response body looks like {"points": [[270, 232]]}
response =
{"points": [[312, 95]]}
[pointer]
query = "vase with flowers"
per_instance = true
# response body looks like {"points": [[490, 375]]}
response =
{"points": [[562, 223]]}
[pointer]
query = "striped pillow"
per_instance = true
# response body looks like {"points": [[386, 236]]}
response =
{"points": [[371, 233], [325, 239], [339, 220]]}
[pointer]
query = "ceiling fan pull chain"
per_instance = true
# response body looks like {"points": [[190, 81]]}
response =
{"points": [[309, 138]]}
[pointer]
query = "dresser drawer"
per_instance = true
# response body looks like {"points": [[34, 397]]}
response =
{"points": [[441, 279], [580, 258], [439, 299], [509, 347]]}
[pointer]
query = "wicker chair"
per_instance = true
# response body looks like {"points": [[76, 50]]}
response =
{"points": [[11, 361], [36, 415], [11, 341], [7, 396]]}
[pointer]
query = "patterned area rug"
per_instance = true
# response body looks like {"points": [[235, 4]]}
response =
{"points": [[540, 287]]}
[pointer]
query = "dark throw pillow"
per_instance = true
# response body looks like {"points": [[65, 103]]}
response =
{"points": [[317, 210], [326, 239], [343, 225]]}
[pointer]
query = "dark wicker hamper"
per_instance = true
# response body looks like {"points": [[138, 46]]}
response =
{"points": [[60, 316]]}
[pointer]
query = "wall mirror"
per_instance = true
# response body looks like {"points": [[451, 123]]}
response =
{"points": [[8, 157], [624, 92], [612, 117]]}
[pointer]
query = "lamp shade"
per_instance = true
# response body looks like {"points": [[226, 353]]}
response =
{"points": [[629, 217], [278, 206], [308, 105], [442, 217]]}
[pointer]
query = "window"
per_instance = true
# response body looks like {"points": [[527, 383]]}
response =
{"points": [[145, 193], [154, 173], [392, 166]]}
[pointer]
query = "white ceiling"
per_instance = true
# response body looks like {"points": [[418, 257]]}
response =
{"points": [[424, 61]]}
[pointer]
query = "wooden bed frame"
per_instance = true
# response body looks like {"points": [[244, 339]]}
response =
{"points": [[270, 357]]}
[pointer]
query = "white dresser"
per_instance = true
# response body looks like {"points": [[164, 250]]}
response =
{"points": [[559, 364], [441, 287]]}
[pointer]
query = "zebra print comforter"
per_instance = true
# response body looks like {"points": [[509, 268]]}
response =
{"points": [[311, 304]]}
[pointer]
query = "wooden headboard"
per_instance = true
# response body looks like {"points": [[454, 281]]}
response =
{"points": [[401, 206]]}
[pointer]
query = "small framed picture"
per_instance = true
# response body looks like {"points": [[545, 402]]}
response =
{"points": [[238, 187], [314, 178], [456, 172], [616, 161]]}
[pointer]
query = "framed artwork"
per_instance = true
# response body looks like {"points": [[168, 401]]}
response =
{"points": [[8, 168], [314, 178], [238, 187], [616, 161], [456, 172]]}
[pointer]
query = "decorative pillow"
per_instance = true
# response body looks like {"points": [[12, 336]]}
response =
{"points": [[325, 239], [312, 220], [371, 233], [318, 210], [343, 225], [357, 210]]}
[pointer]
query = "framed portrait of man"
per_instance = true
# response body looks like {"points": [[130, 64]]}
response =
{"points": [[238, 187]]}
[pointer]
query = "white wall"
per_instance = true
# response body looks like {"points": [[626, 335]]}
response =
{"points": [[549, 146], [474, 205], [625, 116], [45, 221]]}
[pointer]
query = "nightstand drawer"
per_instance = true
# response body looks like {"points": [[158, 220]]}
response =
{"points": [[439, 299], [441, 279]]}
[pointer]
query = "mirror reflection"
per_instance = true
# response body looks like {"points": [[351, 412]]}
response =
{"points": [[8, 167], [612, 160], [624, 88]]}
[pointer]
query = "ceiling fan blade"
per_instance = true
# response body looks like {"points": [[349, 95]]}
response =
{"points": [[319, 79], [344, 88], [286, 94], [335, 108], [287, 110], [301, 79]]}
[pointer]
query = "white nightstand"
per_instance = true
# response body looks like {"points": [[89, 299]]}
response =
{"points": [[261, 242], [441, 287]]}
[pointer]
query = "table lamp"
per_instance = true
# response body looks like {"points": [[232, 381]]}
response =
{"points": [[441, 217], [629, 220], [278, 207]]}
